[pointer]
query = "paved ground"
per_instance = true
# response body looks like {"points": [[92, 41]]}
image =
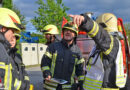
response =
{"points": [[37, 80], [36, 77]]}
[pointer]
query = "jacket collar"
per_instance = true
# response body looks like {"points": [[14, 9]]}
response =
{"points": [[66, 44], [4, 41]]}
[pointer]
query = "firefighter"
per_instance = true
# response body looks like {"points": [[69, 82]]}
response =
{"points": [[51, 33], [12, 74], [63, 60], [105, 65]]}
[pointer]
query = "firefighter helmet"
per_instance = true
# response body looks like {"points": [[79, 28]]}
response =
{"points": [[109, 20], [50, 29], [9, 19], [71, 26]]}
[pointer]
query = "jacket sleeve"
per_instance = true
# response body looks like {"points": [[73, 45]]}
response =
{"points": [[46, 62], [106, 42], [4, 67], [25, 81], [80, 66]]}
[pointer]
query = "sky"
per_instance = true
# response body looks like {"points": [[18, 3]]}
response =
{"points": [[121, 8]]}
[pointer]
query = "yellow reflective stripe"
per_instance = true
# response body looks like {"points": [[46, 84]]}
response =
{"points": [[80, 61], [26, 78], [120, 80], [17, 84], [51, 83], [66, 86], [94, 30], [119, 28], [48, 87], [109, 88], [81, 77], [92, 84], [88, 67], [89, 88], [48, 54], [53, 63], [2, 65], [45, 68], [8, 77], [111, 46], [73, 73]]}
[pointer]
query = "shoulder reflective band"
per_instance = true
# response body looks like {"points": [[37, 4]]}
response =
{"points": [[45, 68], [94, 30], [80, 77], [17, 84], [2, 65], [26, 78], [111, 46], [8, 76], [48, 55], [80, 61]]}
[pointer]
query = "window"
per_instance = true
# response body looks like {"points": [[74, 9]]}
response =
{"points": [[26, 49], [33, 48], [41, 48]]}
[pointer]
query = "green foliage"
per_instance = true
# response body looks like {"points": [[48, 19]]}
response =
{"points": [[40, 36], [7, 4], [49, 12], [127, 27], [22, 17]]}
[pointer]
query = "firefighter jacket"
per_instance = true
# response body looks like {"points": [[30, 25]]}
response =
{"points": [[107, 49], [62, 62], [12, 71]]}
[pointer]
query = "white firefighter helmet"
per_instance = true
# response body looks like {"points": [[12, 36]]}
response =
{"points": [[109, 20]]}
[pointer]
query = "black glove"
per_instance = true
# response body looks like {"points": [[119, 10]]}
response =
{"points": [[80, 85], [46, 73], [74, 86]]}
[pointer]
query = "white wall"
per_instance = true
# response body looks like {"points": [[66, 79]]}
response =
{"points": [[32, 53]]}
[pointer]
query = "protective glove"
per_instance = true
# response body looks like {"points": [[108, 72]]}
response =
{"points": [[46, 73], [80, 85]]}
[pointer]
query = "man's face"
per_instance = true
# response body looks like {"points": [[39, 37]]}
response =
{"points": [[10, 37], [68, 35]]}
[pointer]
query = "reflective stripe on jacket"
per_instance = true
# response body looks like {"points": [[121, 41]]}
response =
{"points": [[109, 47], [12, 73], [64, 62]]}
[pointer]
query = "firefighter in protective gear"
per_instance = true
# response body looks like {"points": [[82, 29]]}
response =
{"points": [[63, 60], [51, 33], [12, 71], [105, 64]]}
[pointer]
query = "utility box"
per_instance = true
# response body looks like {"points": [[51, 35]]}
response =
{"points": [[41, 51], [32, 53], [29, 53]]}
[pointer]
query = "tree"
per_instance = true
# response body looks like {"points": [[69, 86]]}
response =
{"points": [[7, 4], [127, 28], [49, 12], [22, 17]]}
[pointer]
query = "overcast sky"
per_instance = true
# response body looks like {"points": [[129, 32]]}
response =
{"points": [[121, 8]]}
